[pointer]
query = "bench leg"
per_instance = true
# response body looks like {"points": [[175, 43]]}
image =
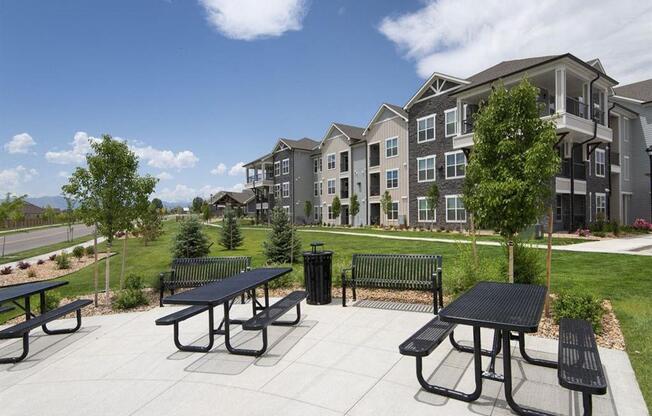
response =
{"points": [[13, 360], [587, 403], [292, 323], [195, 348], [528, 358], [456, 394], [465, 348], [160, 298], [343, 292], [45, 329], [240, 351]]}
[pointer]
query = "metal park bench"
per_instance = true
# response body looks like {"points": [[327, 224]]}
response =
{"points": [[194, 272], [396, 271]]}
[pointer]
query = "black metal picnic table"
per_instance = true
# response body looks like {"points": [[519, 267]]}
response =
{"points": [[24, 291], [224, 292], [505, 308]]}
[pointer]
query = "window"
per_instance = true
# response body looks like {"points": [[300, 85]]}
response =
{"points": [[316, 188], [558, 208], [426, 128], [330, 213], [330, 161], [374, 154], [286, 208], [392, 214], [391, 147], [315, 165], [600, 204], [321, 188], [425, 212], [277, 190], [426, 169], [286, 189], [330, 189], [625, 133], [317, 214], [455, 211], [392, 179], [626, 168], [450, 117], [321, 164], [600, 165], [285, 165], [344, 161], [277, 168], [455, 165]]}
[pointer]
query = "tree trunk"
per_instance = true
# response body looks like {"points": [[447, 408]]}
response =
{"points": [[510, 265], [124, 258], [96, 272], [474, 246], [549, 262], [107, 273]]}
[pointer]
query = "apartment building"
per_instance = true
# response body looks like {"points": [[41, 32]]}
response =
{"points": [[386, 136], [283, 178], [632, 110], [573, 93], [340, 169]]}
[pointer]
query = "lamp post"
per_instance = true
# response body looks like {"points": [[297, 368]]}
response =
{"points": [[649, 153]]}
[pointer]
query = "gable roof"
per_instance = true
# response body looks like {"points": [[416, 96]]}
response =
{"points": [[433, 78], [30, 209], [515, 66], [301, 144], [240, 197], [352, 133], [391, 107], [267, 156], [640, 91]]}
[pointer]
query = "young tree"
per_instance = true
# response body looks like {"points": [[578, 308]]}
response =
{"points": [[282, 245], [432, 198], [336, 207], [157, 203], [386, 203], [10, 206], [230, 235], [197, 203], [354, 208], [206, 212], [104, 191], [307, 209], [50, 214], [513, 163], [190, 241], [150, 225]]}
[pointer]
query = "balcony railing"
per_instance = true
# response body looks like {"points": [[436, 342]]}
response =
{"points": [[577, 108], [579, 170], [467, 126], [267, 176], [546, 106]]}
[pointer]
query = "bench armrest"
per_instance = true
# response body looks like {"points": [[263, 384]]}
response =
{"points": [[166, 276], [347, 269]]}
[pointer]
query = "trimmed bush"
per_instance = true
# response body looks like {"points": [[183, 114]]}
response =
{"points": [[31, 273], [579, 305], [63, 261], [529, 267], [22, 265], [190, 241], [90, 251], [132, 295], [52, 300], [40, 261], [53, 257], [6, 270], [466, 273], [78, 252]]}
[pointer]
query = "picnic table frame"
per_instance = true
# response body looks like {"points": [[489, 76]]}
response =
{"points": [[507, 308], [225, 292], [12, 293]]}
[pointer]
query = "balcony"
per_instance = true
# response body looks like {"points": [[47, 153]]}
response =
{"points": [[260, 179], [344, 188], [374, 155], [374, 184]]}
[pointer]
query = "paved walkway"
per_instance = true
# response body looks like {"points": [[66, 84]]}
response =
{"points": [[45, 256], [638, 246], [338, 361]]}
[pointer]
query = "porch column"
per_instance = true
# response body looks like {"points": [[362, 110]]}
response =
{"points": [[459, 116], [560, 89]]}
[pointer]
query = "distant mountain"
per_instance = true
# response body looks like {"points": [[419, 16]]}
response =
{"points": [[53, 201], [60, 202]]}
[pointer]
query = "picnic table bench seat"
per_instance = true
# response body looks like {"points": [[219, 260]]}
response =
{"points": [[579, 366], [22, 329], [4, 308], [270, 315], [395, 271], [426, 339], [188, 273], [178, 316]]}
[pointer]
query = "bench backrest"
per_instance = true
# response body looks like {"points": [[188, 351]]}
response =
{"points": [[198, 271], [399, 271]]}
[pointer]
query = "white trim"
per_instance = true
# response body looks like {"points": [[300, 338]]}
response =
{"points": [[604, 196], [315, 189], [627, 167], [450, 110], [283, 189], [397, 147], [434, 127], [419, 219], [429, 82], [447, 197], [434, 168], [348, 161], [283, 172], [398, 212], [603, 164], [328, 186], [633, 100], [334, 161], [398, 178], [455, 152], [378, 113], [279, 168], [369, 154]]}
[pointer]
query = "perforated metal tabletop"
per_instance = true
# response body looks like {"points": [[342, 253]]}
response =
{"points": [[507, 306], [9, 293]]}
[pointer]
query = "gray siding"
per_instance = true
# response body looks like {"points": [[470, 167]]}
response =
{"points": [[359, 182]]}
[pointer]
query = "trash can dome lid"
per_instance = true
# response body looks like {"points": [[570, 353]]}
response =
{"points": [[316, 243]]}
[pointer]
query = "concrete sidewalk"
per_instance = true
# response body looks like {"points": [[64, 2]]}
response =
{"points": [[45, 256], [337, 361]]}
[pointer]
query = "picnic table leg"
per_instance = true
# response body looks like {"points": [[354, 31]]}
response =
{"points": [[456, 394], [465, 348], [194, 348], [240, 351], [13, 360], [507, 373]]}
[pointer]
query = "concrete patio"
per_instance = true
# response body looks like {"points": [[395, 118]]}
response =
{"points": [[338, 361]]}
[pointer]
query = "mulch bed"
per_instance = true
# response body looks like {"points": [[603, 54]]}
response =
{"points": [[47, 270]]}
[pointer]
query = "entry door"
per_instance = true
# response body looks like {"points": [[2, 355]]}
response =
{"points": [[627, 201]]}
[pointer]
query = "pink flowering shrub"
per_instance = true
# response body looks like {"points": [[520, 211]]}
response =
{"points": [[583, 232], [641, 224]]}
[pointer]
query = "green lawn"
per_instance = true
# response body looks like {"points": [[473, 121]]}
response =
{"points": [[624, 279], [42, 250]]}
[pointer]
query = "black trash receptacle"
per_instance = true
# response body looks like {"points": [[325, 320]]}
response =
{"points": [[318, 275]]}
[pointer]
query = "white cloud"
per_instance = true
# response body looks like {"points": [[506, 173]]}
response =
{"points": [[166, 159], [460, 37], [255, 19], [164, 176], [184, 193], [63, 174], [11, 179], [20, 143], [80, 146], [238, 169], [219, 169]]}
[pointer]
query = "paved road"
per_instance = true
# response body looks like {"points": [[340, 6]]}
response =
{"points": [[38, 238]]}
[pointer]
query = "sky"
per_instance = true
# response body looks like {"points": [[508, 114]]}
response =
{"points": [[196, 88]]}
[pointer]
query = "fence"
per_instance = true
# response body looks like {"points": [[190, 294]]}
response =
{"points": [[27, 223]]}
